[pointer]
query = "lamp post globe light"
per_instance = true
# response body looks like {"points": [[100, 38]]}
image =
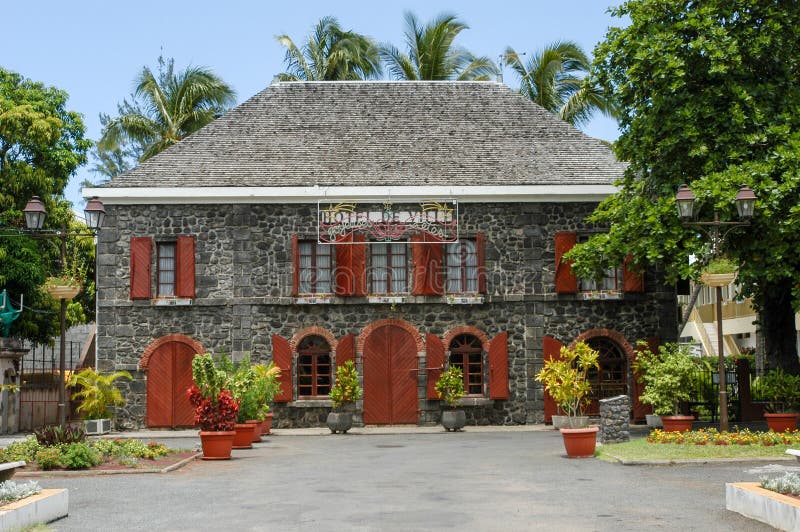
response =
{"points": [[35, 215], [745, 207]]}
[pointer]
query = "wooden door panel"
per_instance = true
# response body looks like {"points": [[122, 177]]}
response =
{"points": [[159, 388], [182, 411], [376, 381], [403, 362]]}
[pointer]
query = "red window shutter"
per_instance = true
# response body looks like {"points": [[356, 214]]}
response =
{"points": [[566, 282], [498, 367], [427, 258], [184, 283], [435, 359], [480, 251], [640, 410], [141, 251], [359, 265], [295, 266], [344, 267], [346, 349], [551, 349], [419, 260], [632, 281], [282, 356]]}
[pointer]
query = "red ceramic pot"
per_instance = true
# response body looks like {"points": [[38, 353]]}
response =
{"points": [[677, 423], [256, 430], [782, 422], [266, 424], [244, 435], [580, 443], [217, 445]]}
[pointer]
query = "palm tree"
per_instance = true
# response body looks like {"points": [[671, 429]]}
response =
{"points": [[556, 78], [330, 54], [432, 55], [166, 108]]}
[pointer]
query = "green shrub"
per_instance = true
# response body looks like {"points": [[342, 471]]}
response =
{"points": [[22, 450], [450, 386], [56, 434], [346, 389], [49, 458], [80, 456], [666, 375], [130, 448], [721, 265]]}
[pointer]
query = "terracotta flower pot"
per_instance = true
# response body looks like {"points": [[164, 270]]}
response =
{"points": [[781, 422], [580, 443], [677, 423], [244, 435], [217, 445], [266, 424], [256, 429]]}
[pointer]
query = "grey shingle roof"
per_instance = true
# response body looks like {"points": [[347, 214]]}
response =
{"points": [[381, 133]]}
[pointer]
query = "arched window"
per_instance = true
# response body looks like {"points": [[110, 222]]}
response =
{"points": [[313, 367], [466, 352], [612, 378]]}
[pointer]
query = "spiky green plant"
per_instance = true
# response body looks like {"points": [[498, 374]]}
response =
{"points": [[97, 392]]}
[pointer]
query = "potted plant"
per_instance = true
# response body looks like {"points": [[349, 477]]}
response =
{"points": [[782, 392], [450, 388], [719, 271], [97, 394], [666, 376], [344, 393], [215, 408], [268, 374], [566, 380], [244, 385], [68, 283]]}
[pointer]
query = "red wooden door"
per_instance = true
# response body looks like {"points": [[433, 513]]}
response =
{"points": [[390, 377], [169, 375]]}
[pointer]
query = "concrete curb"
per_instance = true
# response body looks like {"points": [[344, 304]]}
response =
{"points": [[44, 507], [753, 501], [96, 472], [696, 461]]}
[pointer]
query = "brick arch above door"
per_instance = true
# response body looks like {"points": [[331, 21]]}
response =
{"points": [[144, 361], [612, 335], [403, 324]]}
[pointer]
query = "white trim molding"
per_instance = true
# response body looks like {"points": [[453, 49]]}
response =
{"points": [[397, 194]]}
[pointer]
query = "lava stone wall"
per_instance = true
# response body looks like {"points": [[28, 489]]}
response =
{"points": [[243, 286]]}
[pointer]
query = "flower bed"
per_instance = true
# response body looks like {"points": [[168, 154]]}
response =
{"points": [[104, 454], [714, 437]]}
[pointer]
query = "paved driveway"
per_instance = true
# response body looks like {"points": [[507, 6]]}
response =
{"points": [[502, 481]]}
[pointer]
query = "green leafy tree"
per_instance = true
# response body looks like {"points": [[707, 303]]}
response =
{"points": [[432, 54], [555, 77], [166, 107], [709, 94], [330, 54], [666, 375], [41, 145]]}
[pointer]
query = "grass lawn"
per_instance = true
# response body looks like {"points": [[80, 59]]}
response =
{"points": [[641, 449]]}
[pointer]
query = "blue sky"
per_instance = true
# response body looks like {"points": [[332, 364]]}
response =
{"points": [[93, 50]]}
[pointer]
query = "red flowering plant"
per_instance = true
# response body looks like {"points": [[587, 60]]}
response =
{"points": [[215, 407], [213, 413]]}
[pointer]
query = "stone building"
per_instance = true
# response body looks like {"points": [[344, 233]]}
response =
{"points": [[404, 225]]}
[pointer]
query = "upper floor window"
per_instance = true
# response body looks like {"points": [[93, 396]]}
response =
{"points": [[316, 267], [313, 367], [166, 269], [466, 352], [389, 268], [462, 267], [612, 280]]}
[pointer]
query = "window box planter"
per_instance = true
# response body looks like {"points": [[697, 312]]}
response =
{"points": [[386, 299], [601, 294], [94, 427], [317, 299]]}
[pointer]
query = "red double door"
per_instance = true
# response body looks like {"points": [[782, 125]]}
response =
{"points": [[169, 375], [390, 377]]}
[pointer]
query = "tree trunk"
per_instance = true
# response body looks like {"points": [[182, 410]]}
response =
{"points": [[688, 311], [777, 325]]}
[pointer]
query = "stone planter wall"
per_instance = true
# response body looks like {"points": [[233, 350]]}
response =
{"points": [[614, 419]]}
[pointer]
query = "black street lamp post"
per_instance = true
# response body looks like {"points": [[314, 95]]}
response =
{"points": [[745, 205], [35, 215]]}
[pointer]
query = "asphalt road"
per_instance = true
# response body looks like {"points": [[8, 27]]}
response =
{"points": [[490, 481]]}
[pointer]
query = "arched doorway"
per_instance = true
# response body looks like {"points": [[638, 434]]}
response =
{"points": [[390, 376], [169, 375], [612, 377]]}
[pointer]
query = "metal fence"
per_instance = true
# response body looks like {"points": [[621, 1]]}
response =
{"points": [[39, 384]]}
